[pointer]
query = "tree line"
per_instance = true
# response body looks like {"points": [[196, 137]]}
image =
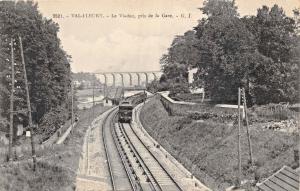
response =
{"points": [[259, 53], [85, 80], [47, 65]]}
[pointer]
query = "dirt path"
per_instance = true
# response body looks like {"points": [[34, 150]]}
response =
{"points": [[92, 174]]}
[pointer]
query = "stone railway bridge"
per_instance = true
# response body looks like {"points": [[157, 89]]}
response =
{"points": [[147, 74]]}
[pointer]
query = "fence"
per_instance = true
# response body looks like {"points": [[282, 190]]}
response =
{"points": [[266, 112]]}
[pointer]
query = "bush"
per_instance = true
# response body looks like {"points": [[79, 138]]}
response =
{"points": [[201, 115], [272, 111], [183, 122], [52, 121], [178, 86], [156, 86], [196, 98], [220, 116], [3, 124]]}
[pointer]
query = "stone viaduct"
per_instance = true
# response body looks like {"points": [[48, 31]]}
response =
{"points": [[114, 75]]}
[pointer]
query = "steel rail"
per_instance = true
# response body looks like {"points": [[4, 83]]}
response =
{"points": [[140, 158], [114, 135], [106, 150], [164, 169]]}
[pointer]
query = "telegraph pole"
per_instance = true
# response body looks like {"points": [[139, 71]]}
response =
{"points": [[239, 138], [247, 123], [28, 107], [93, 109], [72, 105], [11, 102]]}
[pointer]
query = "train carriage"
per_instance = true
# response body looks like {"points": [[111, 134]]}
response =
{"points": [[125, 112], [126, 106]]}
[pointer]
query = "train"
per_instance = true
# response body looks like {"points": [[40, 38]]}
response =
{"points": [[127, 105]]}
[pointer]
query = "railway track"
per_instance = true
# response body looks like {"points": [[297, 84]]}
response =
{"points": [[130, 163], [119, 176], [156, 175]]}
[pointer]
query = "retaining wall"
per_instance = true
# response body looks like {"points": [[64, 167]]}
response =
{"points": [[184, 108]]}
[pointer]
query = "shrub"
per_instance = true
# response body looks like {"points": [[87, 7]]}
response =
{"points": [[196, 98], [177, 86], [273, 112], [183, 122], [52, 121], [220, 116]]}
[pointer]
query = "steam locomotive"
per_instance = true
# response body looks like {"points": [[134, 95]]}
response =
{"points": [[126, 106]]}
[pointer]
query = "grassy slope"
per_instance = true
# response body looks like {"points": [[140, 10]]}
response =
{"points": [[209, 149], [57, 166]]}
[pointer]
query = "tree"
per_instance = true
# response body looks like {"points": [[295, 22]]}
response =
{"points": [[84, 76], [4, 63], [181, 56], [297, 20], [276, 79], [177, 86], [226, 48], [47, 65], [174, 70], [256, 52], [223, 8], [163, 84]]}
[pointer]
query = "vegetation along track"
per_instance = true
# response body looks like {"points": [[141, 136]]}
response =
{"points": [[156, 175]]}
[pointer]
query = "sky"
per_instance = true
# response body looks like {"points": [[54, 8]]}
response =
{"points": [[129, 44]]}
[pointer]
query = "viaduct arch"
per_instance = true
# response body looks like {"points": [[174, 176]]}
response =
{"points": [[121, 74]]}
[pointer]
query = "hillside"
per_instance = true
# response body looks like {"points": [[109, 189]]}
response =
{"points": [[209, 148]]}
